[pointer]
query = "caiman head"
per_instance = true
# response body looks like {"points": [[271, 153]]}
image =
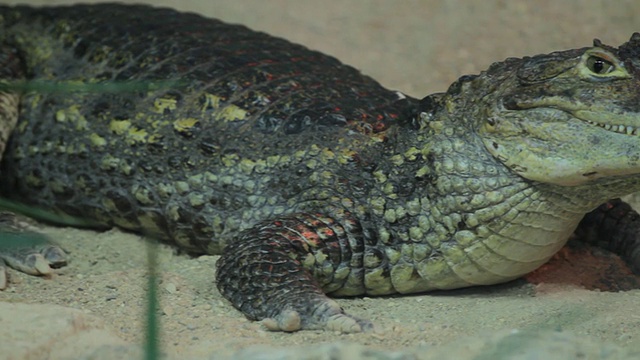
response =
{"points": [[566, 118]]}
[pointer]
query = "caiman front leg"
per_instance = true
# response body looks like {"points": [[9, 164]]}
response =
{"points": [[279, 272], [614, 226], [17, 246]]}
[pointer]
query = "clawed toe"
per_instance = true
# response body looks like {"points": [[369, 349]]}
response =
{"points": [[287, 320], [3, 275], [327, 316], [30, 253]]}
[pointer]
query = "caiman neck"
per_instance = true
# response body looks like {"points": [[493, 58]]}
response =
{"points": [[493, 200], [489, 224]]}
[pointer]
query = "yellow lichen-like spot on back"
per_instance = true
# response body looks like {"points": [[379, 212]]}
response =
{"points": [[101, 54], [61, 116], [182, 125], [247, 165], [231, 113], [327, 154], [230, 160], [160, 105], [109, 162], [210, 102], [412, 153], [97, 140], [119, 126], [312, 163], [380, 176], [35, 101], [72, 115], [154, 139], [131, 133], [136, 135], [182, 187], [40, 49], [346, 156], [423, 171], [33, 180], [397, 160]]}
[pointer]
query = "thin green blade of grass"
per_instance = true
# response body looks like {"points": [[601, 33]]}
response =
{"points": [[152, 343], [15, 240], [47, 216], [41, 86], [10, 239]]}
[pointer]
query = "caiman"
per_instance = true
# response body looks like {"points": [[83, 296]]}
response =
{"points": [[310, 178]]}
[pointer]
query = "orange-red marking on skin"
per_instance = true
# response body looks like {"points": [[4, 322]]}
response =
{"points": [[379, 127]]}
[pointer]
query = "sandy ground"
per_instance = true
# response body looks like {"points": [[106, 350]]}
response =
{"points": [[417, 47]]}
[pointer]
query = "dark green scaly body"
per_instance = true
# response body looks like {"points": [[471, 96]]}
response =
{"points": [[253, 132], [312, 177]]}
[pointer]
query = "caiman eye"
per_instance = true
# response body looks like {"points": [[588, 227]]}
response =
{"points": [[599, 65]]}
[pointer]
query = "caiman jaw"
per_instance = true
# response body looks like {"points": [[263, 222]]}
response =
{"points": [[620, 129]]}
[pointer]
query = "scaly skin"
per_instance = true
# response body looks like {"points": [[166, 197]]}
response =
{"points": [[313, 178], [615, 226]]}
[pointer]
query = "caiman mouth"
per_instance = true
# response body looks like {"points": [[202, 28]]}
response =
{"points": [[587, 116], [624, 123], [620, 129]]}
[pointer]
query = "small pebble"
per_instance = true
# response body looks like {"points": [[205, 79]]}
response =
{"points": [[171, 288]]}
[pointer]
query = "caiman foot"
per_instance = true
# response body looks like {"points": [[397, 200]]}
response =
{"points": [[327, 316], [26, 250], [276, 273]]}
